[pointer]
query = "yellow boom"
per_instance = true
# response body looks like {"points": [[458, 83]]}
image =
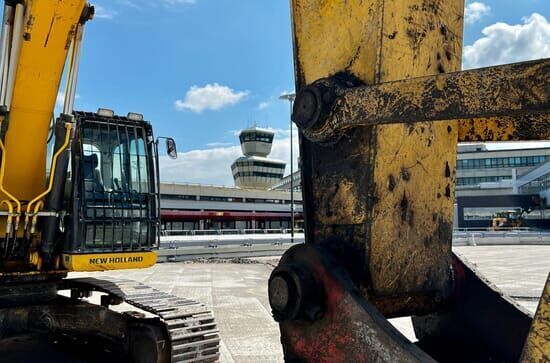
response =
{"points": [[45, 38]]}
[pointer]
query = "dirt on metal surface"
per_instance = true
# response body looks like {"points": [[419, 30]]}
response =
{"points": [[382, 196]]}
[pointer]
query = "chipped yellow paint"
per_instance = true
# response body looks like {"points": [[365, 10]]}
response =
{"points": [[532, 127], [537, 347], [343, 194], [333, 36], [506, 128], [411, 245], [529, 127], [411, 169], [48, 28]]}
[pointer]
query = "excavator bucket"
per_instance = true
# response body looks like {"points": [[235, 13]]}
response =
{"points": [[381, 106]]}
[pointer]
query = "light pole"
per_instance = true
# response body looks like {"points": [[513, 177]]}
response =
{"points": [[290, 97]]}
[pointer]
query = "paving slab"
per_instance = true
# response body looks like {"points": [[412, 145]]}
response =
{"points": [[237, 292], [520, 271]]}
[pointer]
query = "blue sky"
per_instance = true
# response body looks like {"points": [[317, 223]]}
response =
{"points": [[144, 58], [201, 70]]}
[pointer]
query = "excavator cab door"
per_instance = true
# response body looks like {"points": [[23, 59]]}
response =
{"points": [[115, 201]]}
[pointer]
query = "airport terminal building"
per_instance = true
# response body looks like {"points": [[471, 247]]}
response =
{"points": [[487, 181], [250, 205], [199, 207], [491, 181]]}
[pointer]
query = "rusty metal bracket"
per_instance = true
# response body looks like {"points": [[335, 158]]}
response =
{"points": [[521, 91], [347, 329]]}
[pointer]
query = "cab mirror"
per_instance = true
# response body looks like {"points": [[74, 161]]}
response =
{"points": [[171, 149]]}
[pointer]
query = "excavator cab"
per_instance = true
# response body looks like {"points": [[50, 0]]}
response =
{"points": [[99, 208], [114, 202]]}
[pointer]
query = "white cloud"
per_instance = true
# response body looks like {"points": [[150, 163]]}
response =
{"points": [[207, 166], [103, 13], [263, 105], [218, 144], [210, 97], [503, 43], [475, 11], [281, 148], [213, 166]]}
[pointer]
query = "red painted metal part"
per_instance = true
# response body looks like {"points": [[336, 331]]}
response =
{"points": [[351, 329], [477, 324]]}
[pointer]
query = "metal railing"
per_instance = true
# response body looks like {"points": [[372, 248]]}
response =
{"points": [[508, 237], [485, 229], [260, 242]]}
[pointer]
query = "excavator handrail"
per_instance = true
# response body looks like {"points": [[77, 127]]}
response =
{"points": [[68, 127]]}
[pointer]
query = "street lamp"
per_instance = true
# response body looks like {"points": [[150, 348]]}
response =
{"points": [[290, 97]]}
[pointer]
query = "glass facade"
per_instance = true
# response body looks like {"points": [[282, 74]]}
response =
{"points": [[259, 174], [485, 213], [227, 199], [487, 164], [483, 179], [537, 185], [263, 164], [256, 136], [509, 162], [178, 197]]}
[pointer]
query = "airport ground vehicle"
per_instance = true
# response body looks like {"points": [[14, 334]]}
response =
{"points": [[506, 220], [96, 209], [380, 107]]}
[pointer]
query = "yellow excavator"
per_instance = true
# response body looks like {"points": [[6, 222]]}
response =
{"points": [[94, 207], [506, 220], [380, 107]]}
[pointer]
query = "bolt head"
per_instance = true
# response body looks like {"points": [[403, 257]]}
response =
{"points": [[279, 293], [306, 107], [293, 294]]}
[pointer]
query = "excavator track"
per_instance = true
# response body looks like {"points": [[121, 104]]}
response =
{"points": [[190, 325]]}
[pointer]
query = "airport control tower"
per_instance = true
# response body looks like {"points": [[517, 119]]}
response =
{"points": [[254, 170]]}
